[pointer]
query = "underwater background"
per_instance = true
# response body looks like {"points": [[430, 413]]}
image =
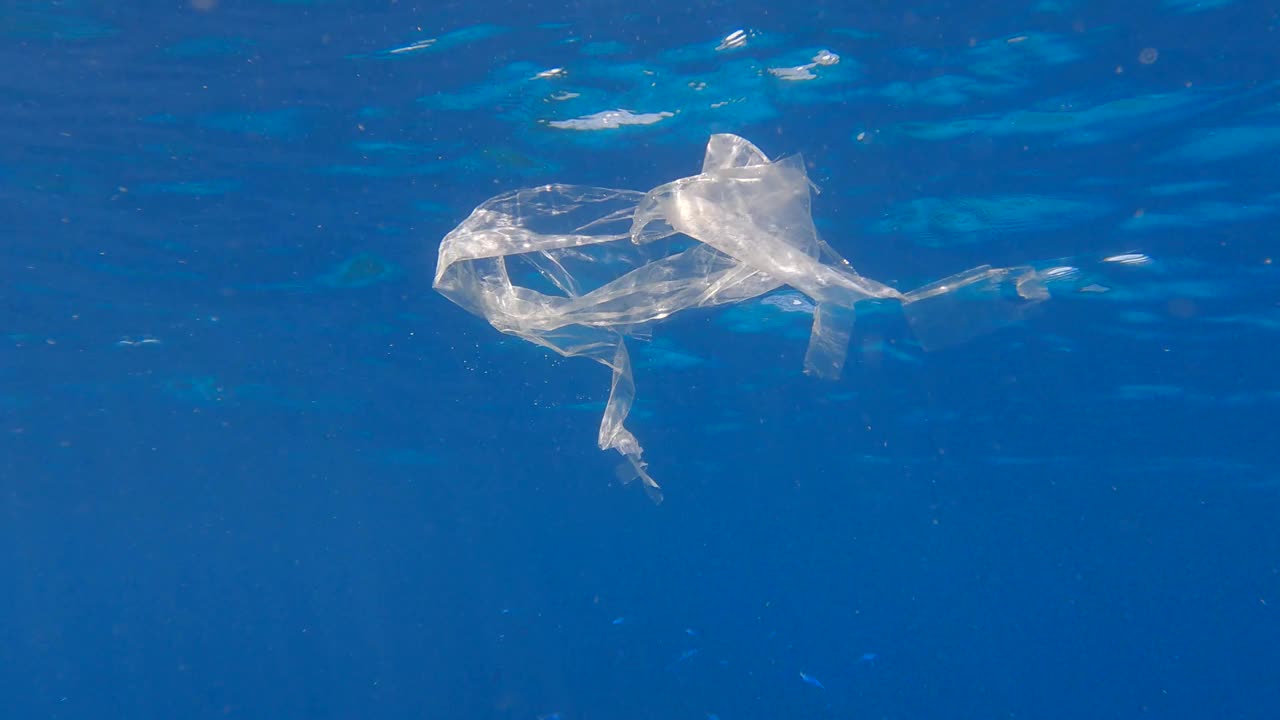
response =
{"points": [[253, 466]]}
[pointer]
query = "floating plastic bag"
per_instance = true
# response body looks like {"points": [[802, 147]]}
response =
{"points": [[578, 269]]}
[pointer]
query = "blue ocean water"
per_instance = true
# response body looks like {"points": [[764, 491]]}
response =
{"points": [[253, 466]]}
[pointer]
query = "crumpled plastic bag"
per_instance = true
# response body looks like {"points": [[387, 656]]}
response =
{"points": [[579, 269]]}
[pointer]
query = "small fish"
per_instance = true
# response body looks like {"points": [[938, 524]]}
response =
{"points": [[811, 680], [684, 658], [790, 302]]}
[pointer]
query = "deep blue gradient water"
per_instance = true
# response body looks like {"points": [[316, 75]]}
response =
{"points": [[253, 466]]}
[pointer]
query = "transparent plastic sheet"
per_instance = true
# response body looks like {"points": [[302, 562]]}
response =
{"points": [[579, 269]]}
